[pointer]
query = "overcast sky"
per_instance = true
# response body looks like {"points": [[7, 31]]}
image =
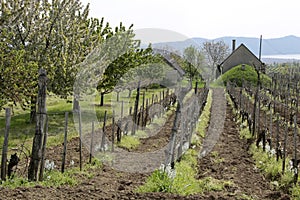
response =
{"points": [[207, 19]]}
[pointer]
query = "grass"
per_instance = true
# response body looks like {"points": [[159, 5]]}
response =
{"points": [[273, 171], [238, 75], [22, 132], [184, 183], [203, 120], [129, 142], [54, 178]]}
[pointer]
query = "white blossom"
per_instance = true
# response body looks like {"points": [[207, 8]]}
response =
{"points": [[49, 165], [99, 148], [291, 165], [273, 152], [72, 162], [168, 170]]}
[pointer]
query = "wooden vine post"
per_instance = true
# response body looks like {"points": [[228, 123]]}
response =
{"points": [[5, 144], [65, 143], [295, 163], [80, 137], [256, 101], [113, 133], [170, 156], [103, 132], [92, 142], [135, 112], [44, 150], [39, 131]]}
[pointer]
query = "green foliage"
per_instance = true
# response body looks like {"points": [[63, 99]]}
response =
{"points": [[32, 37], [204, 118], [158, 181], [295, 192], [17, 77], [193, 63], [217, 158], [237, 75], [95, 164], [245, 133], [54, 178], [133, 58], [271, 168], [129, 142], [184, 182], [17, 182]]}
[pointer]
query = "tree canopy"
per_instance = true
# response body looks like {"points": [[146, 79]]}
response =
{"points": [[50, 34], [194, 62], [215, 53]]}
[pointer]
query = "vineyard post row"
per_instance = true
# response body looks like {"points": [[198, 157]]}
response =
{"points": [[267, 109]]}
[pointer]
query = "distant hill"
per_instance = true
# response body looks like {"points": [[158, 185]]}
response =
{"points": [[284, 45]]}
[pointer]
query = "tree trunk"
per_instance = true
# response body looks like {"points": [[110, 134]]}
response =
{"points": [[5, 144], [101, 99], [36, 153], [75, 103], [33, 109], [118, 96], [129, 93]]}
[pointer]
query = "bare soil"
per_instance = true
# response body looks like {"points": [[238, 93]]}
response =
{"points": [[232, 163]]}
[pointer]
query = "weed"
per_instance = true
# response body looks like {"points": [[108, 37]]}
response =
{"points": [[129, 142]]}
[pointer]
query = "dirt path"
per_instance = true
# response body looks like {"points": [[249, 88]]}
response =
{"points": [[230, 160], [217, 119]]}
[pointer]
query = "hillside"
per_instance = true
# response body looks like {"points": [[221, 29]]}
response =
{"points": [[283, 46]]}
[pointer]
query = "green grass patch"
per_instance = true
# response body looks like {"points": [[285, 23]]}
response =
{"points": [[203, 119], [54, 178], [238, 75], [129, 142], [22, 132], [183, 181]]}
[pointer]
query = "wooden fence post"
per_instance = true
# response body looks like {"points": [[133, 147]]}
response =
{"points": [[113, 132], [170, 151], [119, 129], [103, 132], [41, 176], [5, 144], [135, 112], [80, 136], [92, 142], [143, 111], [40, 124], [65, 143]]}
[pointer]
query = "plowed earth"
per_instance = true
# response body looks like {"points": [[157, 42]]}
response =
{"points": [[232, 162]]}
